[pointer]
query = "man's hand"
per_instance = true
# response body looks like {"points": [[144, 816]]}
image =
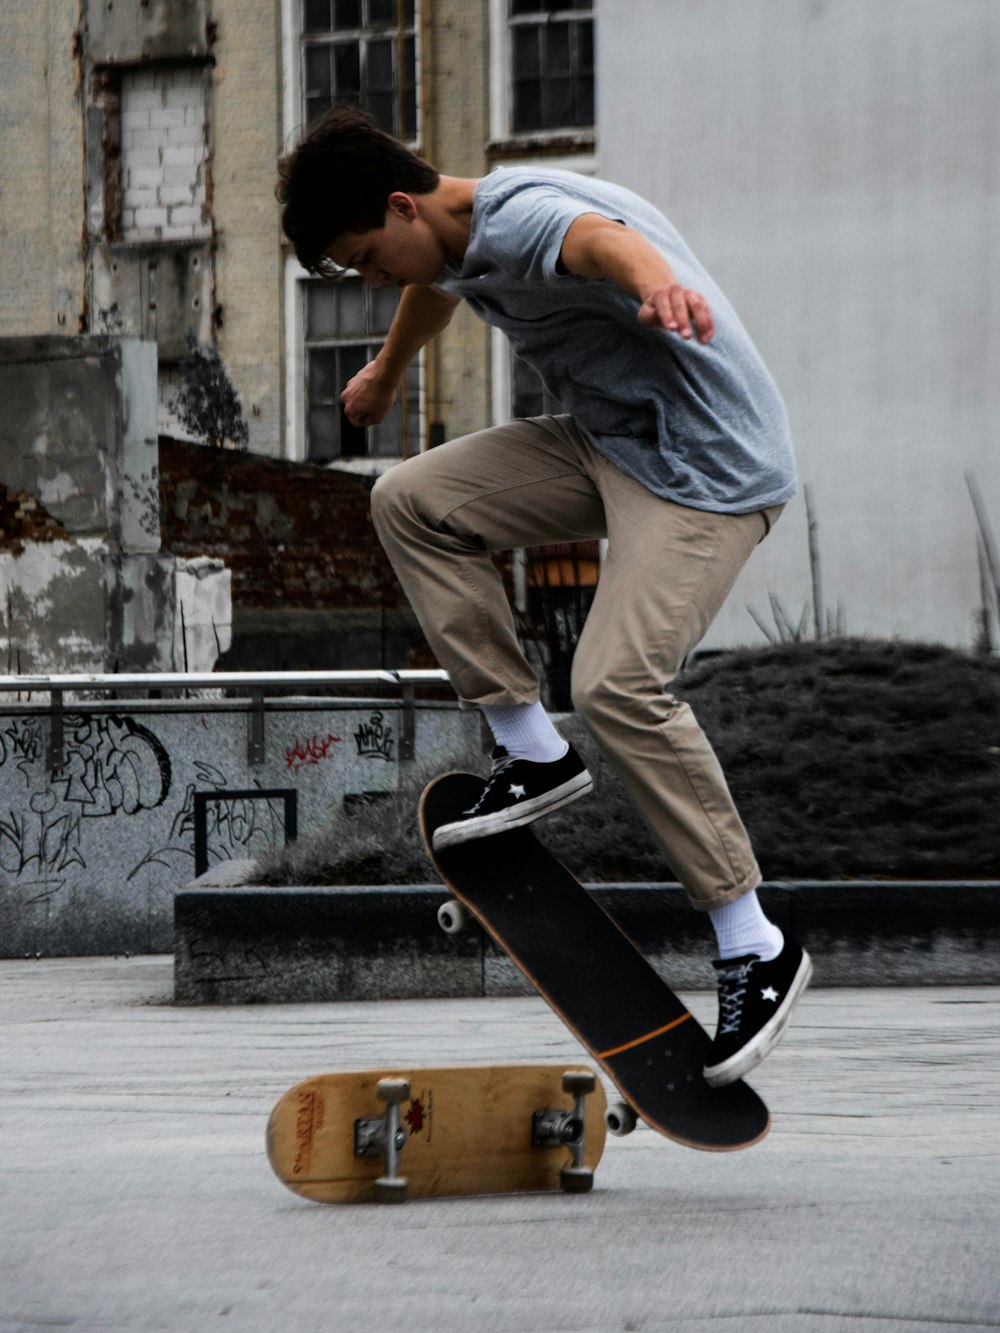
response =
{"points": [[422, 312], [678, 310], [368, 396], [597, 247]]}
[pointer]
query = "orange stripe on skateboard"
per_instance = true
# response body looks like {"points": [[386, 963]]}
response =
{"points": [[657, 1032]]}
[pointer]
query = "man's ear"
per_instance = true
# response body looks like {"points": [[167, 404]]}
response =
{"points": [[402, 205]]}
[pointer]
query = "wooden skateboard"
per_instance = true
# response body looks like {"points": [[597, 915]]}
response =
{"points": [[592, 975], [383, 1135]]}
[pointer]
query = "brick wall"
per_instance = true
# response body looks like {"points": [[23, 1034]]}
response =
{"points": [[292, 534], [311, 587], [164, 155], [41, 199], [247, 139], [454, 63], [25, 519]]}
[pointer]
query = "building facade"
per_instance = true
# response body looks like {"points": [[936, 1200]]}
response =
{"points": [[833, 164], [140, 143]]}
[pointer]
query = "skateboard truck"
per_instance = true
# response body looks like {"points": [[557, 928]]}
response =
{"points": [[385, 1137], [553, 1128]]}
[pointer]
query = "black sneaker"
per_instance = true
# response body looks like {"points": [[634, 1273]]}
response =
{"points": [[755, 1004], [517, 792]]}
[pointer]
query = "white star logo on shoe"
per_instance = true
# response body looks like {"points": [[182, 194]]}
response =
{"points": [[517, 791], [769, 993]]}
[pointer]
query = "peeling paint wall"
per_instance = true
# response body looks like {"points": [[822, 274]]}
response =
{"points": [[78, 454], [203, 614], [52, 607]]}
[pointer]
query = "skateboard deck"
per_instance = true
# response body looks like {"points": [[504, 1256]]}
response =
{"points": [[592, 975], [465, 1130]]}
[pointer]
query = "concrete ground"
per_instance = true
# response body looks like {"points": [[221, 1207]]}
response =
{"points": [[136, 1193]]}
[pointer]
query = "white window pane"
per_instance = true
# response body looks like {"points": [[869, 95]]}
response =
{"points": [[384, 302], [323, 444], [321, 311], [351, 308]]}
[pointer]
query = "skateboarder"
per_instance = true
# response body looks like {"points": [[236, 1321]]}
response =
{"points": [[674, 446]]}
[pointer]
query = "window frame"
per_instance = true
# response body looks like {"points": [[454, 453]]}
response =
{"points": [[297, 347], [292, 62], [295, 276], [501, 87]]}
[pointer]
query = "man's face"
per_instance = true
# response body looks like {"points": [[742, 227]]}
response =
{"points": [[405, 250]]}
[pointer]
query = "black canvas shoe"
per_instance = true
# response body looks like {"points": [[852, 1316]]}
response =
{"points": [[755, 1004], [517, 792]]}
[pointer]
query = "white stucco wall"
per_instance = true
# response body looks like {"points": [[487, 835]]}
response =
{"points": [[836, 165]]}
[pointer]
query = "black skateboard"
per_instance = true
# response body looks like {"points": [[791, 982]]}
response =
{"points": [[594, 978]]}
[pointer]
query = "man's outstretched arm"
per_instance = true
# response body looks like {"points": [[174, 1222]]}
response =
{"points": [[422, 312], [596, 247]]}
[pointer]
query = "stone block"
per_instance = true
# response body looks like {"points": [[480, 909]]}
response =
{"points": [[259, 945], [249, 944], [126, 34]]}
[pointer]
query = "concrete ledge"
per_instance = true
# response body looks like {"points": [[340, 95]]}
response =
{"points": [[252, 944]]}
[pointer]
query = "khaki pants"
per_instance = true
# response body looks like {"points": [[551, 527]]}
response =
{"points": [[667, 572]]}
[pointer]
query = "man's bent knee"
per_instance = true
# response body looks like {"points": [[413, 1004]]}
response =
{"points": [[595, 696], [601, 699], [393, 495]]}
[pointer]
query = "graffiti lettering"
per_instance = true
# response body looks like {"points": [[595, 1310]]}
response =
{"points": [[24, 741], [375, 739], [113, 765], [236, 827], [310, 751]]}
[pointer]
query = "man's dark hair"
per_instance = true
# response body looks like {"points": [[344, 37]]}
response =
{"points": [[339, 178]]}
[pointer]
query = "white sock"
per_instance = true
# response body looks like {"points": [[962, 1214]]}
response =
{"points": [[525, 731], [741, 927]]}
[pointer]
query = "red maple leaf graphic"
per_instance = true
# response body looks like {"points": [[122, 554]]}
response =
{"points": [[415, 1116]]}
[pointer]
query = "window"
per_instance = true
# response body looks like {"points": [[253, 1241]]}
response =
{"points": [[346, 323], [551, 65], [362, 52]]}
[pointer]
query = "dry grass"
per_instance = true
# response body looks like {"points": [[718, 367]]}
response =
{"points": [[847, 759]]}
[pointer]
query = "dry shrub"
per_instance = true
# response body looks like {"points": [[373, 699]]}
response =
{"points": [[850, 758]]}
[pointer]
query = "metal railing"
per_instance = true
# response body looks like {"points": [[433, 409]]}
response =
{"points": [[252, 684], [219, 680]]}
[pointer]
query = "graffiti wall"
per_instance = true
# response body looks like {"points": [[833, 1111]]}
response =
{"points": [[97, 836]]}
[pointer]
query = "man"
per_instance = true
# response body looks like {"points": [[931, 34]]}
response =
{"points": [[674, 447]]}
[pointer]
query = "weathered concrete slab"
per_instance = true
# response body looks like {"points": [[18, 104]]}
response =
{"points": [[94, 847], [257, 944], [290, 945], [137, 1194]]}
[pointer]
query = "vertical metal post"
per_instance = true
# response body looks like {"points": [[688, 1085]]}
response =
{"points": [[407, 731], [255, 729], [56, 757]]}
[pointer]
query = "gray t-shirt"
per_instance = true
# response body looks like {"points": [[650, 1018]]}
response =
{"points": [[700, 424]]}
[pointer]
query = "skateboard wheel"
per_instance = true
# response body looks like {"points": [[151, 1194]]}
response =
{"points": [[579, 1082], [576, 1179], [392, 1091], [390, 1190], [620, 1119], [454, 917]]}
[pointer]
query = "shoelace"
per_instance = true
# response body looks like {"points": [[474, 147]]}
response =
{"points": [[732, 989], [500, 764]]}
